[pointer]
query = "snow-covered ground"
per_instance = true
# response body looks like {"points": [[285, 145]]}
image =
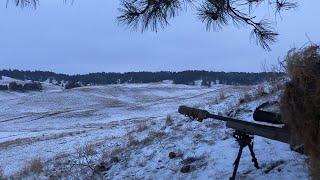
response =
{"points": [[129, 122]]}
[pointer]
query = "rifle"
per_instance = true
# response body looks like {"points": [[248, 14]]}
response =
{"points": [[244, 132]]}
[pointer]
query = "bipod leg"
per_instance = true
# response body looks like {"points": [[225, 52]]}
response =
{"points": [[236, 163], [254, 159]]}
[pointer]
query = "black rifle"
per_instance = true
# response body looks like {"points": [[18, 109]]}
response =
{"points": [[244, 132]]}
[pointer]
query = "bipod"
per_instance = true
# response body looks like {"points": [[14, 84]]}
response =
{"points": [[243, 140]]}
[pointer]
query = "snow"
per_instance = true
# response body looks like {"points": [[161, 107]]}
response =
{"points": [[56, 121]]}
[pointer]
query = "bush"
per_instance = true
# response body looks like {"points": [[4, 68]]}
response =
{"points": [[71, 85], [300, 104], [261, 91], [35, 86], [206, 83], [35, 166], [246, 98], [14, 86], [3, 87]]}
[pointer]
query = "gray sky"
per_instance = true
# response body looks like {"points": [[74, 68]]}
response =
{"points": [[85, 37]]}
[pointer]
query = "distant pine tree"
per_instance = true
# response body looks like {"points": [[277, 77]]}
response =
{"points": [[3, 87], [14, 86], [34, 86], [71, 85]]}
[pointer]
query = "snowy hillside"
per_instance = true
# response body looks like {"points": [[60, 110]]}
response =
{"points": [[127, 131]]}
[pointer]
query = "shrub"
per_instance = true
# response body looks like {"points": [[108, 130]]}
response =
{"points": [[35, 166], [71, 85], [142, 127], [87, 150], [261, 91], [206, 83], [300, 104], [35, 86], [132, 140], [152, 136], [3, 87], [14, 86], [246, 98]]}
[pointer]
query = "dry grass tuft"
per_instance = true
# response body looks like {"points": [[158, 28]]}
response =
{"points": [[87, 150], [169, 120], [132, 140], [215, 101], [152, 136], [35, 166], [246, 98], [142, 126], [277, 86], [222, 95], [261, 91], [300, 104]]}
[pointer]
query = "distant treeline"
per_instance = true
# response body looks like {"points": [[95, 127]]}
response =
{"points": [[184, 77]]}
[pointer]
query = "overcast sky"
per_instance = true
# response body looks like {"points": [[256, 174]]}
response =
{"points": [[86, 37]]}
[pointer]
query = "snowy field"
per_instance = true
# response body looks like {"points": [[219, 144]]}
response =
{"points": [[130, 123]]}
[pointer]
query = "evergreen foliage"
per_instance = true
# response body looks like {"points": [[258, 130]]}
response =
{"points": [[14, 86], [34, 86], [71, 85], [3, 87]]}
